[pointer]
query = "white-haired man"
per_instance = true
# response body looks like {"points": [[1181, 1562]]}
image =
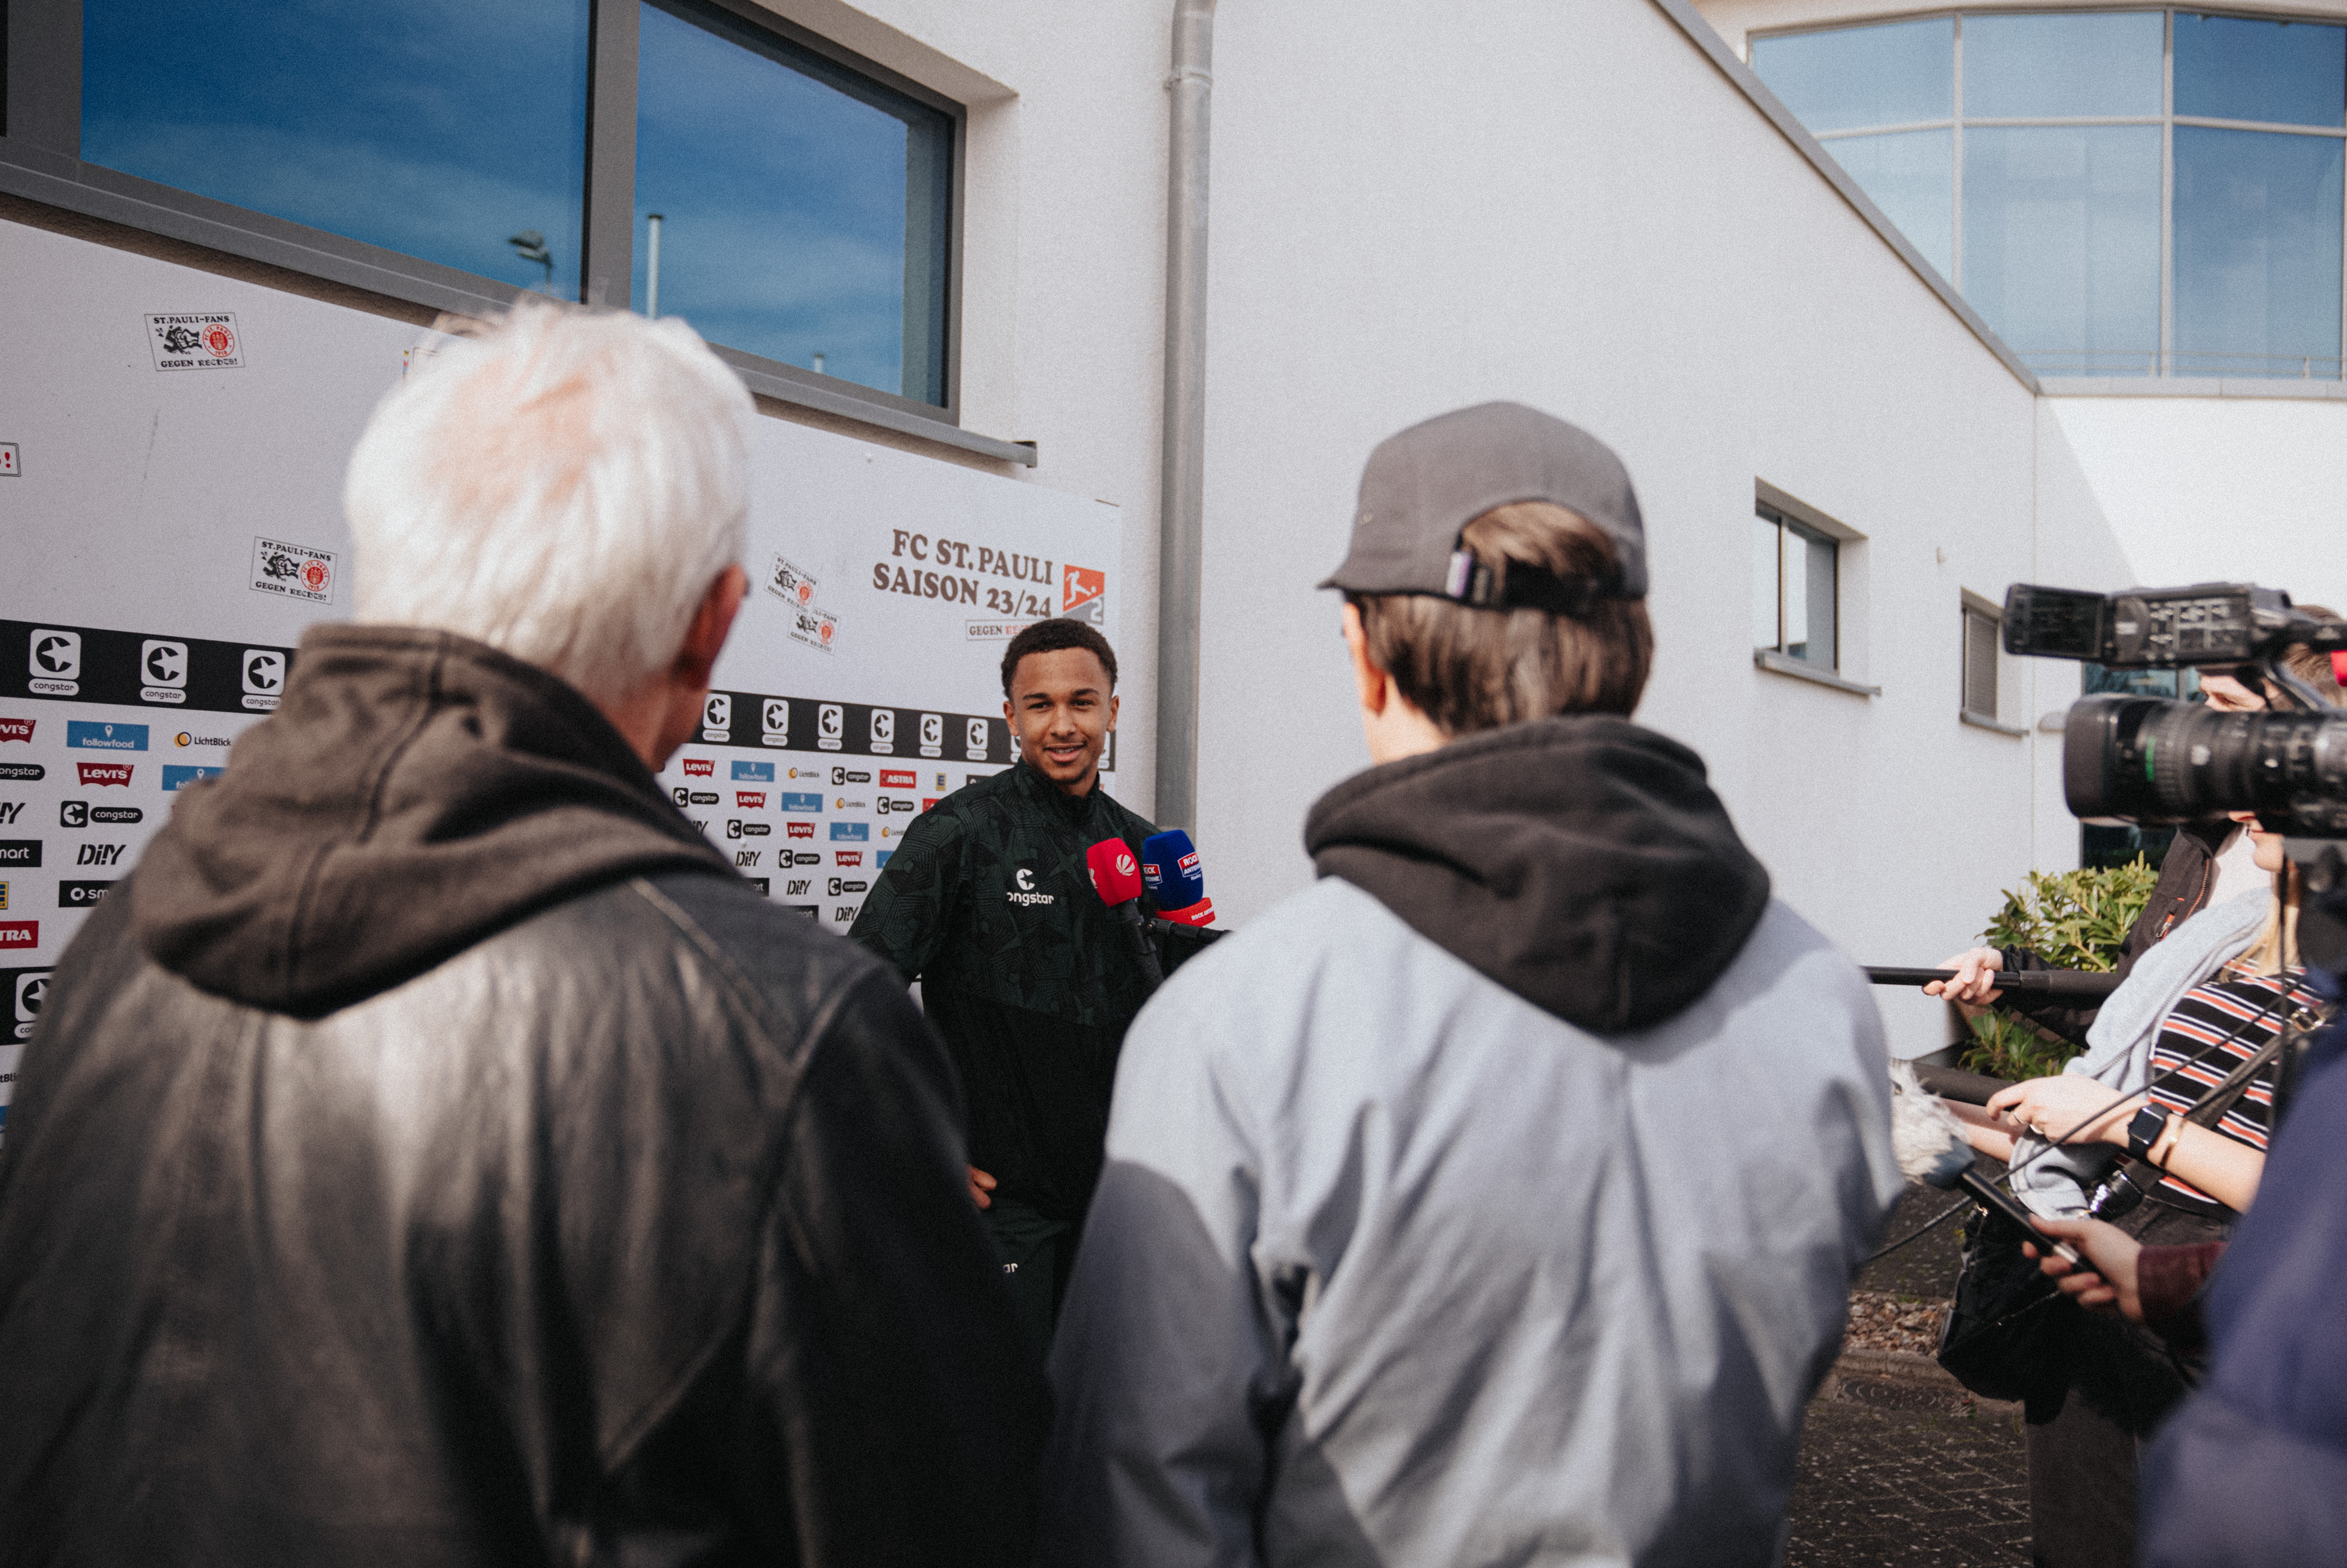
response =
{"points": [[436, 1153]]}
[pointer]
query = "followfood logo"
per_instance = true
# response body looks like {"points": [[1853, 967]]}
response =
{"points": [[851, 833], [98, 737], [753, 773], [178, 777], [94, 774], [16, 729], [1024, 892], [792, 800]]}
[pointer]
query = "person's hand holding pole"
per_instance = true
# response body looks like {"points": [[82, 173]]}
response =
{"points": [[2111, 1285], [1973, 986]]}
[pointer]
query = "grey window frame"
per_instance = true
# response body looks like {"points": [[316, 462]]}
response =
{"points": [[1981, 617], [2164, 357], [40, 149], [1789, 512]]}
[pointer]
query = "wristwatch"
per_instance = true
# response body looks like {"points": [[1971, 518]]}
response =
{"points": [[2144, 1130]]}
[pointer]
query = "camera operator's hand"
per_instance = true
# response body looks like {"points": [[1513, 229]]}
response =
{"points": [[2111, 1285], [1973, 987], [2055, 1107]]}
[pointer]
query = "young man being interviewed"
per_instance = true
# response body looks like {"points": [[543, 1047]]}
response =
{"points": [[1495, 1199]]}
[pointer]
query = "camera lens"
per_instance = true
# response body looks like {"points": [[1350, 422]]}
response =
{"points": [[2146, 759]]}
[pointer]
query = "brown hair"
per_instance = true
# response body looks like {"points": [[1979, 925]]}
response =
{"points": [[2276, 947], [1052, 637], [1471, 669]]}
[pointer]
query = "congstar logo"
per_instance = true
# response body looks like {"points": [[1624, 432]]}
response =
{"points": [[1025, 894]]}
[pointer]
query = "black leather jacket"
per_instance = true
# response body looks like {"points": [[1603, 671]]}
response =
{"points": [[634, 1231]]}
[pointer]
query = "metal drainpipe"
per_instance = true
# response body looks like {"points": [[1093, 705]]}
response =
{"points": [[1180, 543]]}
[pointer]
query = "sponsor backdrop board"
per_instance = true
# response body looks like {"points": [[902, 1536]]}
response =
{"points": [[171, 513]]}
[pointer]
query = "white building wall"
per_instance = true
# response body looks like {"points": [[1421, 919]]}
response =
{"points": [[2221, 490]]}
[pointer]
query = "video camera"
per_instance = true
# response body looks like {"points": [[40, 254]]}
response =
{"points": [[2148, 759]]}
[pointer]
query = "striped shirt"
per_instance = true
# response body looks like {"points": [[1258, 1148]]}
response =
{"points": [[2219, 1025]]}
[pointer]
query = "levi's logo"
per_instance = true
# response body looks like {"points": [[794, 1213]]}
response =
{"points": [[848, 857], [700, 767], [16, 729], [749, 799], [799, 829], [104, 773]]}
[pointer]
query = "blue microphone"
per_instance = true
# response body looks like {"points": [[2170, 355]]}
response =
{"points": [[1169, 867]]}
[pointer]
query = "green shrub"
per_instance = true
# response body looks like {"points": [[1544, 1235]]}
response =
{"points": [[2073, 920]]}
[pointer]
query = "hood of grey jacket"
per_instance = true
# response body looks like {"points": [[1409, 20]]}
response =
{"points": [[1580, 861]]}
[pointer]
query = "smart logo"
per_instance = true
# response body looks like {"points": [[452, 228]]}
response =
{"points": [[176, 776], [96, 737], [796, 801], [22, 853], [753, 773], [851, 833]]}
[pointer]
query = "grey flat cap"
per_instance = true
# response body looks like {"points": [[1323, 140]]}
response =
{"points": [[1423, 486]]}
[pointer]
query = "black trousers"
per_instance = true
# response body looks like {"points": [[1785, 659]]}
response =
{"points": [[1037, 1252]]}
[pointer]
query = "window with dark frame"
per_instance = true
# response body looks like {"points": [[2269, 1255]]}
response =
{"points": [[1796, 589], [1982, 633], [449, 154]]}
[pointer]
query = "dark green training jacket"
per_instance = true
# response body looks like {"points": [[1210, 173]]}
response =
{"points": [[1024, 972]]}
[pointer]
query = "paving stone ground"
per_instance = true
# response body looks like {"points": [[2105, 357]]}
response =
{"points": [[1898, 1464]]}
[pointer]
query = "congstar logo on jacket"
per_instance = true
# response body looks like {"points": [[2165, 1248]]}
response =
{"points": [[1025, 894]]}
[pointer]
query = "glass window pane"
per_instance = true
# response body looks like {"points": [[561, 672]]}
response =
{"points": [[2062, 244], [436, 128], [1894, 74], [1764, 583], [1792, 572], [805, 209], [1820, 559], [1911, 175], [2232, 68], [2257, 253], [2032, 67]]}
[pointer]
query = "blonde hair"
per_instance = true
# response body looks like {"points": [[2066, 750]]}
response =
{"points": [[1470, 669]]}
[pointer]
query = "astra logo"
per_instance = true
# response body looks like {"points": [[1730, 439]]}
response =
{"points": [[701, 767], [799, 829], [897, 778], [847, 856], [749, 799], [100, 854], [839, 887], [747, 857], [1025, 894], [797, 887], [20, 933]]}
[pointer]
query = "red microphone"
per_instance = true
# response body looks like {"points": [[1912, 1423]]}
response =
{"points": [[1116, 877], [2338, 665]]}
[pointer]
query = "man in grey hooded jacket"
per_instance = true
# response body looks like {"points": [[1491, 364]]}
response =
{"points": [[1495, 1200]]}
